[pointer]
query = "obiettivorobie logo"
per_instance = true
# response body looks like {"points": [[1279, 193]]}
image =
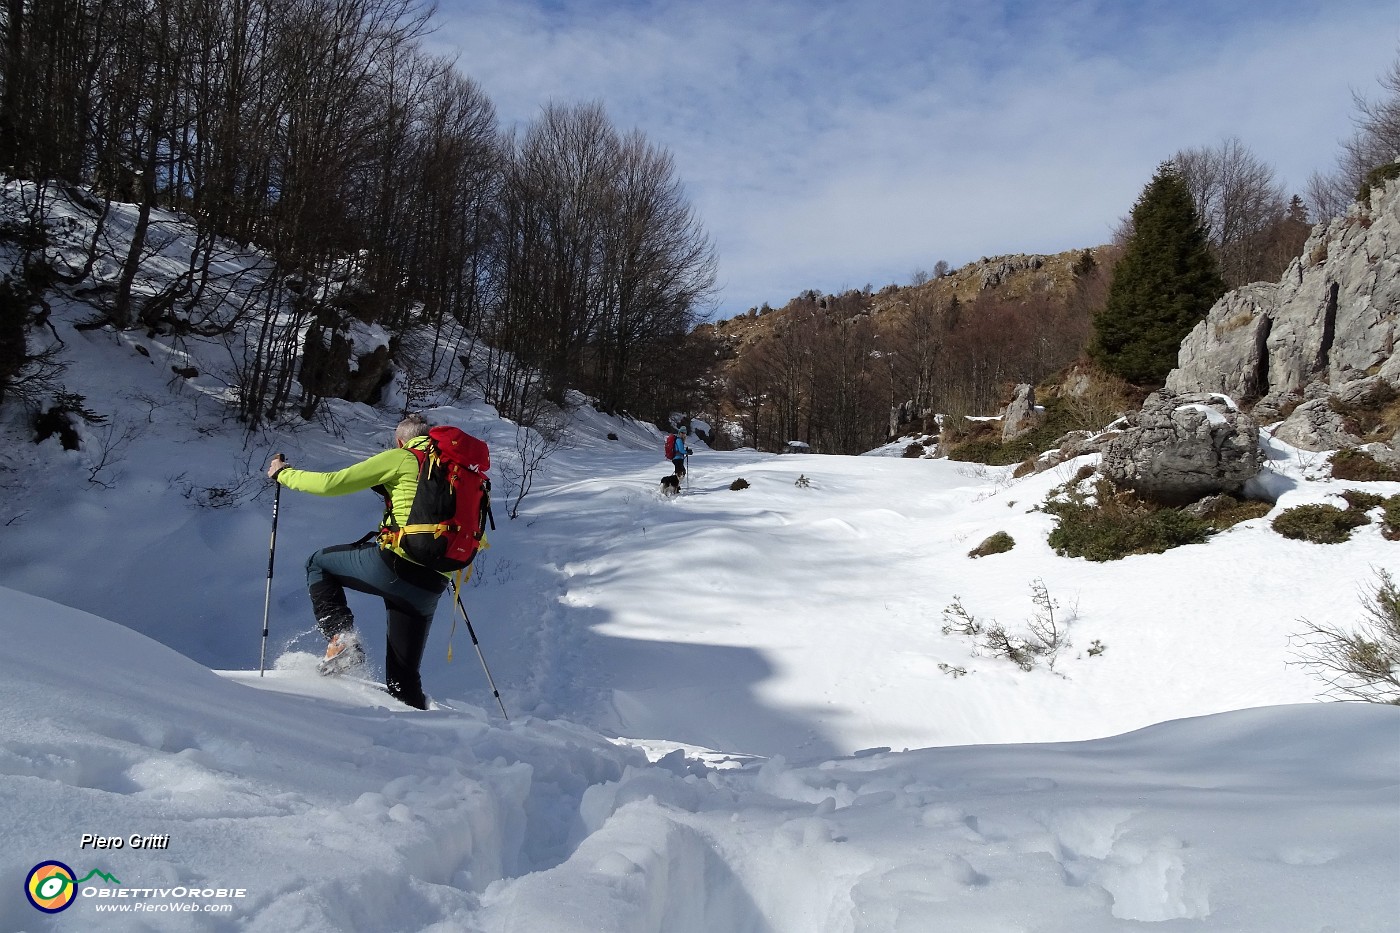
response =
{"points": [[52, 886]]}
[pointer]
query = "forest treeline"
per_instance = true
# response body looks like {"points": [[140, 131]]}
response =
{"points": [[371, 176], [844, 373]]}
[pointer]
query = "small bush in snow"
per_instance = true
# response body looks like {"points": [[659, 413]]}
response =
{"points": [[235, 493], [1242, 511], [999, 543], [1320, 523], [1358, 465], [61, 418], [1362, 501], [957, 620], [1047, 631], [1109, 524], [1361, 663], [1390, 524], [739, 483]]}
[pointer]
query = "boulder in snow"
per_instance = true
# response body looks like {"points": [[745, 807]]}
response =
{"points": [[1180, 448]]}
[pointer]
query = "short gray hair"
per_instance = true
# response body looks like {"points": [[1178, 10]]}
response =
{"points": [[413, 425]]}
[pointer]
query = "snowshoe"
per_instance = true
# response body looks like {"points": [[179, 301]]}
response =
{"points": [[344, 653]]}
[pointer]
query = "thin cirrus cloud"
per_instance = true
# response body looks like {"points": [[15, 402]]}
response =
{"points": [[831, 145]]}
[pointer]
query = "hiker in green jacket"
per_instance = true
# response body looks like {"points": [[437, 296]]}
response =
{"points": [[410, 591]]}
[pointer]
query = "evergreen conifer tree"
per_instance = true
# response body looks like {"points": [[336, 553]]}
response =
{"points": [[1162, 287]]}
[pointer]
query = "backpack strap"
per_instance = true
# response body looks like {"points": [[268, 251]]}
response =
{"points": [[389, 531]]}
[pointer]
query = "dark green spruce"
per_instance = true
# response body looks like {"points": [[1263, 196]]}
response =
{"points": [[1162, 287]]}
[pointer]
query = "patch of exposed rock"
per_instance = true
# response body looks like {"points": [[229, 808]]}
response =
{"points": [[1021, 415], [1333, 317], [1182, 447]]}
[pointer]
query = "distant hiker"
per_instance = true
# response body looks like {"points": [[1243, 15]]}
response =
{"points": [[676, 450], [410, 591]]}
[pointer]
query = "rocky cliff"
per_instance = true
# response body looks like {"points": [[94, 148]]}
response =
{"points": [[1333, 318]]}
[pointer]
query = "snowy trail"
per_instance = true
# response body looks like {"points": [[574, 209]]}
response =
{"points": [[746, 620]]}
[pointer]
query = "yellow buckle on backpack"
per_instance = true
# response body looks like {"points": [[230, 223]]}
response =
{"points": [[437, 530]]}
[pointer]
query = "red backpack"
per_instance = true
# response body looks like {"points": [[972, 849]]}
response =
{"points": [[670, 446], [447, 520]]}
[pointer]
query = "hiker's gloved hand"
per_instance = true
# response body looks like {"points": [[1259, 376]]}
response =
{"points": [[276, 466]]}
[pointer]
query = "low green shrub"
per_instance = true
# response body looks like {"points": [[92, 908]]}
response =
{"points": [[1319, 523], [1362, 501], [1228, 517], [999, 543], [1390, 524], [987, 450], [1359, 466], [1377, 176], [1110, 524]]}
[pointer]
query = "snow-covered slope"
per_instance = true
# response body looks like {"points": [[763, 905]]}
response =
{"points": [[323, 806]]}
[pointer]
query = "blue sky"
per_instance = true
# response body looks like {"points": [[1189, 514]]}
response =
{"points": [[831, 145]]}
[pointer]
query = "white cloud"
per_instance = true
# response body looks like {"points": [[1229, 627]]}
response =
{"points": [[826, 144]]}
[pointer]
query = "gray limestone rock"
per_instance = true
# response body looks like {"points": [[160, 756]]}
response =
{"points": [[1333, 317], [1228, 351], [1275, 407], [1180, 448], [1020, 415], [1078, 443], [1321, 422], [1371, 391]]}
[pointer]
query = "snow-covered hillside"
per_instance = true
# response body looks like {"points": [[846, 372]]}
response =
{"points": [[733, 710]]}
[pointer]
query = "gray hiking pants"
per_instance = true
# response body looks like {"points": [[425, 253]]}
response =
{"points": [[410, 593]]}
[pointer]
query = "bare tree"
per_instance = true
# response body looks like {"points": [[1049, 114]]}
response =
{"points": [[659, 266], [601, 260], [532, 447], [918, 329], [1375, 142], [371, 178], [1239, 200]]}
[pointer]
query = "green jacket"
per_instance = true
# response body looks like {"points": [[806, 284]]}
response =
{"points": [[396, 470]]}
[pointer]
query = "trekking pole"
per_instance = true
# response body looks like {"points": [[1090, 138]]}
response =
{"points": [[271, 555], [477, 645]]}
